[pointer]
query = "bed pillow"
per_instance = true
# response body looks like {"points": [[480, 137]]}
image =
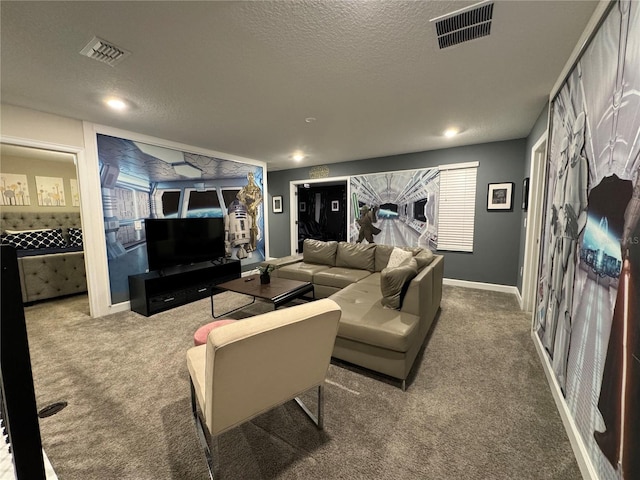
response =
{"points": [[75, 236], [38, 239], [15, 232], [394, 282]]}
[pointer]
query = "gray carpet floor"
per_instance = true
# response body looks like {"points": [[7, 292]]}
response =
{"points": [[477, 405]]}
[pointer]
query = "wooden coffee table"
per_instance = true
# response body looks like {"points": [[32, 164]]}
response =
{"points": [[279, 291]]}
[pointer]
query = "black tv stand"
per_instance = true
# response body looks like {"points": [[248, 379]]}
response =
{"points": [[161, 290]]}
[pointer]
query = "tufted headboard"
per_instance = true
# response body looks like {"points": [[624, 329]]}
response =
{"points": [[47, 275], [31, 220]]}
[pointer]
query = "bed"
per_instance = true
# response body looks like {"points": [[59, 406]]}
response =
{"points": [[50, 252]]}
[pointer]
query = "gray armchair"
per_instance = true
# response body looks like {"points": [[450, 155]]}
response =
{"points": [[251, 366]]}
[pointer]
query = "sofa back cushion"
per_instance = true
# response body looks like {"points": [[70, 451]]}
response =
{"points": [[356, 255], [394, 282], [317, 251], [383, 252]]}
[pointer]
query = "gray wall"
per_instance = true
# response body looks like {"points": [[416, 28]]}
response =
{"points": [[536, 132], [497, 234]]}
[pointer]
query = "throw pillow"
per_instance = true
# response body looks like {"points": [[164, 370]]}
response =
{"points": [[395, 281], [75, 236], [38, 239], [398, 257], [424, 258]]}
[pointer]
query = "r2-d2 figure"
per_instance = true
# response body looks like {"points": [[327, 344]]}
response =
{"points": [[237, 229]]}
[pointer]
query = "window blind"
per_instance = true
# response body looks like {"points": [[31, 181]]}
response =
{"points": [[456, 211]]}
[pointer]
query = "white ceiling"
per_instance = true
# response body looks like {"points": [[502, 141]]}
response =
{"points": [[241, 77]]}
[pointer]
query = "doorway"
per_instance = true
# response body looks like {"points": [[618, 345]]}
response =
{"points": [[37, 180], [533, 223], [319, 211]]}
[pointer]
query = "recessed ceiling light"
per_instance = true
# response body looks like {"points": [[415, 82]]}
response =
{"points": [[116, 104], [298, 156], [452, 132], [310, 119]]}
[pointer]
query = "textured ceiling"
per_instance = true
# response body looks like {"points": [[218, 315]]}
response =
{"points": [[242, 77]]}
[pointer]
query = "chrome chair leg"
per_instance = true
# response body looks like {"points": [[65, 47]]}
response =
{"points": [[319, 418], [208, 443]]}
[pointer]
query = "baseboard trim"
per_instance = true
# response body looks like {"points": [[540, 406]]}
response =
{"points": [[482, 286], [577, 444]]}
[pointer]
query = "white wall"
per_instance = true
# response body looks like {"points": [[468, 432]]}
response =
{"points": [[30, 125], [21, 126]]}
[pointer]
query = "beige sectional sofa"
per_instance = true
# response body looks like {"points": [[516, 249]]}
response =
{"points": [[386, 311]]}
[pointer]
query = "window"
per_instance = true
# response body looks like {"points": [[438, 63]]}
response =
{"points": [[229, 196], [456, 212], [203, 204], [170, 203]]}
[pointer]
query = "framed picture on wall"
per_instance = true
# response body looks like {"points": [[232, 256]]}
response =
{"points": [[500, 196], [277, 204], [335, 205], [50, 192], [14, 189], [303, 207]]}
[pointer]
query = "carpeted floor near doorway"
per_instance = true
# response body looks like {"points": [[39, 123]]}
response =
{"points": [[477, 405]]}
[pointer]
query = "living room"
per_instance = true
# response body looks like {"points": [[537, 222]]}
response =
{"points": [[498, 262]]}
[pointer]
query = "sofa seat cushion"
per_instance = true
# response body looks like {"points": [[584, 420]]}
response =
{"points": [[373, 279], [339, 277], [365, 320], [301, 271]]}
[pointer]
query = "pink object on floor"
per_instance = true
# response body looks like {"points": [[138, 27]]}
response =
{"points": [[200, 337]]}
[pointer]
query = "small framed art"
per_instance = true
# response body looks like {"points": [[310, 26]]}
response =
{"points": [[277, 204], [500, 196], [335, 205], [303, 207]]}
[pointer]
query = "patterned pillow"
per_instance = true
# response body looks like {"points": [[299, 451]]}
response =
{"points": [[38, 239], [75, 236], [398, 257]]}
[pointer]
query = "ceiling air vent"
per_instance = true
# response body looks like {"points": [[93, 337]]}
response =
{"points": [[464, 25], [104, 52]]}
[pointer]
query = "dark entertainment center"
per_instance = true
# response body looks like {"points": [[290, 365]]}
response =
{"points": [[171, 287], [186, 261]]}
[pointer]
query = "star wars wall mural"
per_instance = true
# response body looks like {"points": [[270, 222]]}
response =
{"points": [[141, 181], [587, 316], [396, 208]]}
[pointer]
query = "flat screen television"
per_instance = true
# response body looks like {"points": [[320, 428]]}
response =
{"points": [[183, 241]]}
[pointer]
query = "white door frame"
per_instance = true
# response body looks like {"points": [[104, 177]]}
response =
{"points": [[80, 162], [534, 222], [293, 205]]}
